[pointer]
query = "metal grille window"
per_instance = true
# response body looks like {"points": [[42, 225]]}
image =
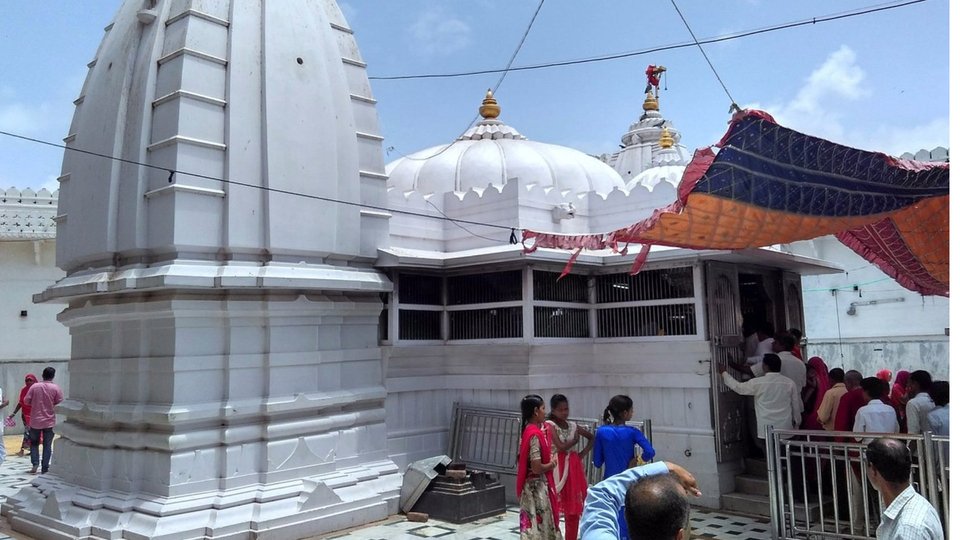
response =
{"points": [[561, 322], [650, 320], [572, 288], [420, 324], [420, 289], [493, 323], [662, 284], [485, 288], [383, 324]]}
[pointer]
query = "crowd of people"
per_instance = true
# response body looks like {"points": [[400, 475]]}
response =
{"points": [[791, 392], [639, 499]]}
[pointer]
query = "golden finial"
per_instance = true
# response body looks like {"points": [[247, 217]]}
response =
{"points": [[651, 103], [489, 109], [666, 140]]}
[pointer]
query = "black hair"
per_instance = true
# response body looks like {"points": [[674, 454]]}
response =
{"points": [[940, 393], [49, 373], [873, 387], [772, 361], [528, 407], [836, 375], [765, 328], [618, 405], [923, 379], [796, 333], [891, 458], [786, 341], [853, 377], [656, 508], [556, 400]]}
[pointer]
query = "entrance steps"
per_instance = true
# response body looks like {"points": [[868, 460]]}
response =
{"points": [[752, 494]]}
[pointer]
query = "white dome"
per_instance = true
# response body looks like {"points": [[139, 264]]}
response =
{"points": [[492, 153], [649, 178]]}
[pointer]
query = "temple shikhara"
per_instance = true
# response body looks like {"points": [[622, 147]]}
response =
{"points": [[249, 357]]}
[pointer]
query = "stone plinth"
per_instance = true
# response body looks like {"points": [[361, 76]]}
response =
{"points": [[461, 498]]}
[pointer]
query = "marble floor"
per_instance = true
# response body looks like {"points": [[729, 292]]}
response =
{"points": [[704, 524], [15, 473]]}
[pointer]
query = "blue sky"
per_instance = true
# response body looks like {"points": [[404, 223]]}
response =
{"points": [[877, 81]]}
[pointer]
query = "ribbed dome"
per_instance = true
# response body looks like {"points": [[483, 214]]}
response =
{"points": [[492, 153]]}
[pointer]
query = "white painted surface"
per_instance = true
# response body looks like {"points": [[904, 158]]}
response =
{"points": [[225, 375]]}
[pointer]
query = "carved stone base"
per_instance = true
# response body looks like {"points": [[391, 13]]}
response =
{"points": [[52, 509]]}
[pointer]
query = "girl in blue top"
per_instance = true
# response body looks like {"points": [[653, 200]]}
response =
{"points": [[614, 443]]}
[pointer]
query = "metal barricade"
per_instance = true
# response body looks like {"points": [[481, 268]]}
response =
{"points": [[488, 439], [819, 488]]}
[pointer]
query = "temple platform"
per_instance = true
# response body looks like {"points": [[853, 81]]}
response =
{"points": [[14, 474]]}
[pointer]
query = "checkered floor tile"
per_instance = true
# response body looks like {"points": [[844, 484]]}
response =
{"points": [[704, 524]]}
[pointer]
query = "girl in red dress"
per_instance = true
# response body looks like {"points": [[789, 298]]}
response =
{"points": [[569, 477]]}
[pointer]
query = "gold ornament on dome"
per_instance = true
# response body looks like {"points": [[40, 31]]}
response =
{"points": [[651, 103], [490, 109], [666, 140]]}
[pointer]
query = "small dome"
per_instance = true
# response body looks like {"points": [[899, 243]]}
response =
{"points": [[654, 175], [492, 152]]}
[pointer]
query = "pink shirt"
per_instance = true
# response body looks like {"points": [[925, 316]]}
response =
{"points": [[43, 397]]}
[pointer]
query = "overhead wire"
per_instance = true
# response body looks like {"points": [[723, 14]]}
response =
{"points": [[733, 102], [660, 48], [172, 172]]}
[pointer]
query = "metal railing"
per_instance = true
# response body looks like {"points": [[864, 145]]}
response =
{"points": [[818, 485], [488, 439]]}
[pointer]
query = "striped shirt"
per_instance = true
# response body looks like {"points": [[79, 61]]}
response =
{"points": [[909, 517]]}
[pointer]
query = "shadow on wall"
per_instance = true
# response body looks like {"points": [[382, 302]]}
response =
{"points": [[868, 357], [12, 373]]}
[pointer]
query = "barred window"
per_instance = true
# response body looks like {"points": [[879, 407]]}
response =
{"points": [[561, 322], [504, 322], [421, 289], [656, 320], [485, 288], [662, 284], [420, 324], [572, 288]]}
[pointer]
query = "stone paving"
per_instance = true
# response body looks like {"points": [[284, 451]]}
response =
{"points": [[14, 474]]}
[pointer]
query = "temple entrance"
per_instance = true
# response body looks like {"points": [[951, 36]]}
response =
{"points": [[735, 294]]}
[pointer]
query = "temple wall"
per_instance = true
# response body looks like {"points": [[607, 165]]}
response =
{"points": [[666, 380]]}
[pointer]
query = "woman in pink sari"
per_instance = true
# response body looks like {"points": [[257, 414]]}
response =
{"points": [[817, 385], [539, 512]]}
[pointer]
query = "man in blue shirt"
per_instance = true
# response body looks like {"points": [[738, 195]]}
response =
{"points": [[655, 502]]}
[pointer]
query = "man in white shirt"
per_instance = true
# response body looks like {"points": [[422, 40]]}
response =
{"points": [[876, 416], [920, 403], [906, 514], [791, 367], [764, 344], [776, 398]]}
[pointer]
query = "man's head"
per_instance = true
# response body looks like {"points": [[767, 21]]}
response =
{"points": [[656, 508], [852, 379], [940, 393], [771, 363], [888, 463], [48, 373], [835, 375], [797, 335], [872, 388], [764, 330], [919, 381], [783, 342]]}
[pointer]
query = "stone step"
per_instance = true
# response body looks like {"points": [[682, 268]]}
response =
{"points": [[759, 505], [756, 467], [752, 485]]}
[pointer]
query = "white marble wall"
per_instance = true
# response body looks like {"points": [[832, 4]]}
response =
{"points": [[667, 380]]}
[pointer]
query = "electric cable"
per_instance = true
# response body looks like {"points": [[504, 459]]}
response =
{"points": [[660, 48], [733, 102], [172, 172]]}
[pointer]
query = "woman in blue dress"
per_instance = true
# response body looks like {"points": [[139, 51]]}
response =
{"points": [[613, 447]]}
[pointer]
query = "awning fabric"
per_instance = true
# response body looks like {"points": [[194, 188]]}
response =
{"points": [[768, 184]]}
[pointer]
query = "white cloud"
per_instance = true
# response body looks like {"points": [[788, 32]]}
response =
{"points": [[819, 109], [27, 119], [435, 33]]}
